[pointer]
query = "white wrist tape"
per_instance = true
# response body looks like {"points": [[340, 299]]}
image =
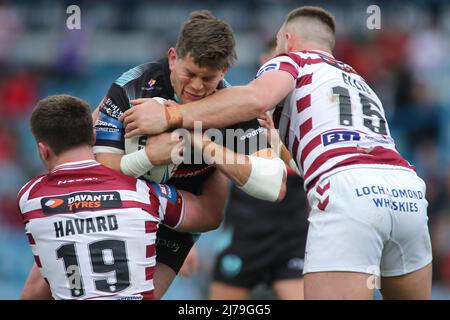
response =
{"points": [[135, 164], [265, 178]]}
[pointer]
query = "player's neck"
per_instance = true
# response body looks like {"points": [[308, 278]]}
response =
{"points": [[81, 153], [312, 46]]}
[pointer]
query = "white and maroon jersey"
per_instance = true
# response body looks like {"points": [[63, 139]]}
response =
{"points": [[92, 230], [331, 119]]}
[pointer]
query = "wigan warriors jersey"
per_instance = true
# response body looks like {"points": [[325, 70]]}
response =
{"points": [[92, 230], [332, 118]]}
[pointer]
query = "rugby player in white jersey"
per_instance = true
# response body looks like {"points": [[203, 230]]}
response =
{"points": [[92, 230], [368, 211]]}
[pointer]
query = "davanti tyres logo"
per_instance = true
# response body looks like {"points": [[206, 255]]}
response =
{"points": [[54, 203]]}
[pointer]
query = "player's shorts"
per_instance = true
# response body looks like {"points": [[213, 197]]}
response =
{"points": [[368, 220], [263, 258], [172, 247]]}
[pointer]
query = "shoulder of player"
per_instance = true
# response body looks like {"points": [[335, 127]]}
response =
{"points": [[151, 79], [28, 187], [138, 72], [301, 58]]}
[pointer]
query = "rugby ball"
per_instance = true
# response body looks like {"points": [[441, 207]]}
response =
{"points": [[158, 174]]}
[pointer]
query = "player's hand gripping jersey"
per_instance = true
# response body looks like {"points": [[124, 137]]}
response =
{"points": [[92, 230], [332, 118]]}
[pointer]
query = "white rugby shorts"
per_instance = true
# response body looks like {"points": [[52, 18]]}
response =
{"points": [[368, 220]]}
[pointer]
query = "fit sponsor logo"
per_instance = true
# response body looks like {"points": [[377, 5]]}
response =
{"points": [[81, 201], [339, 136]]}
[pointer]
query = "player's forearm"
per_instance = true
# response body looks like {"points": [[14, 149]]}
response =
{"points": [[262, 175], [134, 164], [224, 108], [236, 167], [236, 104]]}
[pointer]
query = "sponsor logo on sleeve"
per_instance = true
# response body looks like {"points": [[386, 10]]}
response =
{"points": [[110, 108], [166, 191], [150, 85], [268, 67]]}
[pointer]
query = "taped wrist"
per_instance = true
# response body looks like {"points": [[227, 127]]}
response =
{"points": [[174, 117], [265, 179], [135, 164], [287, 158]]}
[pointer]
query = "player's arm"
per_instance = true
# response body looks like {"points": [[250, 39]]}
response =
{"points": [[187, 212], [241, 103], [159, 149], [109, 147], [273, 136], [224, 108], [205, 212], [36, 288], [261, 174]]}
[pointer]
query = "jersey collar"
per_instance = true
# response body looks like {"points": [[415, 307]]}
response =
{"points": [[76, 165]]}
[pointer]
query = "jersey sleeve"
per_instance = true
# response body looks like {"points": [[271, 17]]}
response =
{"points": [[171, 204], [246, 137], [109, 130], [287, 62]]}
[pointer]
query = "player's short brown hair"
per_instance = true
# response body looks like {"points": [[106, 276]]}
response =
{"points": [[209, 40], [315, 13], [63, 122]]}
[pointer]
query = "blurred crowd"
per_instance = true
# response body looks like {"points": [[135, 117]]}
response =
{"points": [[405, 62]]}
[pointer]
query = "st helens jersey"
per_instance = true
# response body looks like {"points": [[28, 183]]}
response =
{"points": [[331, 119], [92, 230]]}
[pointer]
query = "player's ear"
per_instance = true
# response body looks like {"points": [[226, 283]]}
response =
{"points": [[44, 151], [172, 57], [224, 71], [289, 41]]}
